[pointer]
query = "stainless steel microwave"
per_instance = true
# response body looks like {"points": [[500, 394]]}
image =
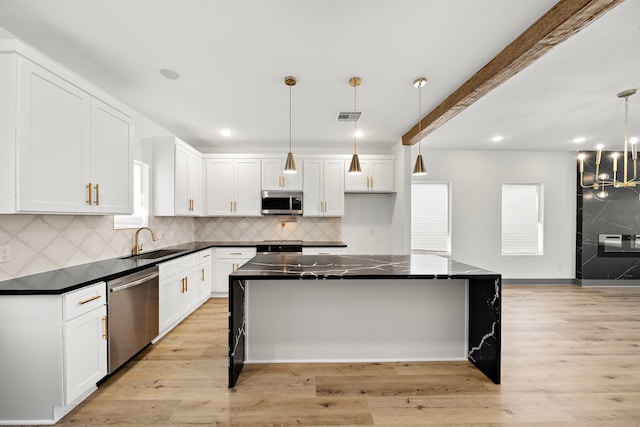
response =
{"points": [[281, 202]]}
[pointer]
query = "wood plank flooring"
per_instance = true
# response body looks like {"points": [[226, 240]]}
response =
{"points": [[571, 357]]}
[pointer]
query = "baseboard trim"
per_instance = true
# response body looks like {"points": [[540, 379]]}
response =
{"points": [[542, 282], [610, 283]]}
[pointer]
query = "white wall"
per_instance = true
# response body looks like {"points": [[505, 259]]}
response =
{"points": [[366, 224], [476, 178]]}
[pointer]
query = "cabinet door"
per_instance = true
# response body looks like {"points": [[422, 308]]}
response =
{"points": [[313, 188], [357, 183], [224, 267], [85, 352], [334, 187], [182, 204], [247, 188], [219, 187], [272, 176], [53, 143], [382, 175], [194, 183], [170, 291], [205, 280], [189, 298], [111, 162]]}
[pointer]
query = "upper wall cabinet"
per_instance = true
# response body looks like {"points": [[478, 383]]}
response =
{"points": [[177, 178], [377, 177], [274, 179], [323, 187], [64, 149], [233, 187]]}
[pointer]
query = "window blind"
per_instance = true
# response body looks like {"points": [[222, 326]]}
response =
{"points": [[521, 219], [430, 231]]}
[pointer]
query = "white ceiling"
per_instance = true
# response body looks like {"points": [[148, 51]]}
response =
{"points": [[233, 56]]}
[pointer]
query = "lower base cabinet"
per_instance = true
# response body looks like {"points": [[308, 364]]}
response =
{"points": [[53, 351], [178, 290], [229, 260], [206, 274], [184, 284]]}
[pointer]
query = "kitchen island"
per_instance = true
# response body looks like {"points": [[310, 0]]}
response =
{"points": [[363, 308]]}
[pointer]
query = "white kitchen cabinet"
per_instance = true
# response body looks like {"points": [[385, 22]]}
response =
{"points": [[233, 187], [53, 352], [111, 161], [205, 259], [178, 290], [229, 260], [328, 250], [177, 178], [273, 177], [65, 150], [377, 177], [85, 340], [323, 187]]}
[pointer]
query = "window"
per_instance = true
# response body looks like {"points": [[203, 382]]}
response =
{"points": [[430, 230], [521, 219], [140, 216]]}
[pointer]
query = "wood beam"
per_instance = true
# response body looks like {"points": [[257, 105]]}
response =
{"points": [[563, 20]]}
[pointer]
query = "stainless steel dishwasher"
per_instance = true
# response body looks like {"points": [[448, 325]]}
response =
{"points": [[133, 314]]}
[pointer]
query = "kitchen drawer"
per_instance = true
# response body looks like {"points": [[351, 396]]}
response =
{"points": [[204, 256], [169, 268], [235, 252], [190, 261], [83, 300]]}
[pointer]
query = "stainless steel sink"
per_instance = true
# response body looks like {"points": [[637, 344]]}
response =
{"points": [[154, 254]]}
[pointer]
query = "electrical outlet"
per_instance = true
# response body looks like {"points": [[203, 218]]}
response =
{"points": [[5, 255]]}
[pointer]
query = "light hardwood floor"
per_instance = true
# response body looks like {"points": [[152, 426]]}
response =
{"points": [[570, 357]]}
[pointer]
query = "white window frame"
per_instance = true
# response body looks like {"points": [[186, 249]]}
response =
{"points": [[522, 212], [418, 247], [140, 216]]}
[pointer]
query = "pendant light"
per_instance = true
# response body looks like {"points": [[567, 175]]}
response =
{"points": [[354, 167], [418, 169], [290, 164]]}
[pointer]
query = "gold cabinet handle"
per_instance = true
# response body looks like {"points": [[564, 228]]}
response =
{"points": [[105, 328], [235, 253], [206, 256], [97, 187], [90, 194], [202, 270], [186, 284], [235, 206], [93, 298], [182, 285]]}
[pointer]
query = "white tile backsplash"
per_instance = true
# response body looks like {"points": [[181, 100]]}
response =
{"points": [[46, 242], [267, 228]]}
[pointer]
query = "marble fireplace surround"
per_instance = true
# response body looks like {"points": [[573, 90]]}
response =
{"points": [[39, 243]]}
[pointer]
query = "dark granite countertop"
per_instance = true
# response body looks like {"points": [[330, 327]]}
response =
{"points": [[312, 267], [67, 279]]}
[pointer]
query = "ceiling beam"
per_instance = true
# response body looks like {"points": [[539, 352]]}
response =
{"points": [[563, 20]]}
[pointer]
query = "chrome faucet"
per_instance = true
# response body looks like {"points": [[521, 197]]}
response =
{"points": [[137, 248]]}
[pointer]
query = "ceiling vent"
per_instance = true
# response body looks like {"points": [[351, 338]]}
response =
{"points": [[348, 116]]}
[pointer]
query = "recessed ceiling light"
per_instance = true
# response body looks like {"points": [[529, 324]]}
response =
{"points": [[358, 134], [633, 140], [169, 73], [497, 138], [599, 146], [579, 139], [225, 132]]}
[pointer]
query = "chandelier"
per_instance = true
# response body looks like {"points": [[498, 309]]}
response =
{"points": [[601, 179]]}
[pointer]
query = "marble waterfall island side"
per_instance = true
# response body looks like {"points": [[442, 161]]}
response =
{"points": [[363, 308]]}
